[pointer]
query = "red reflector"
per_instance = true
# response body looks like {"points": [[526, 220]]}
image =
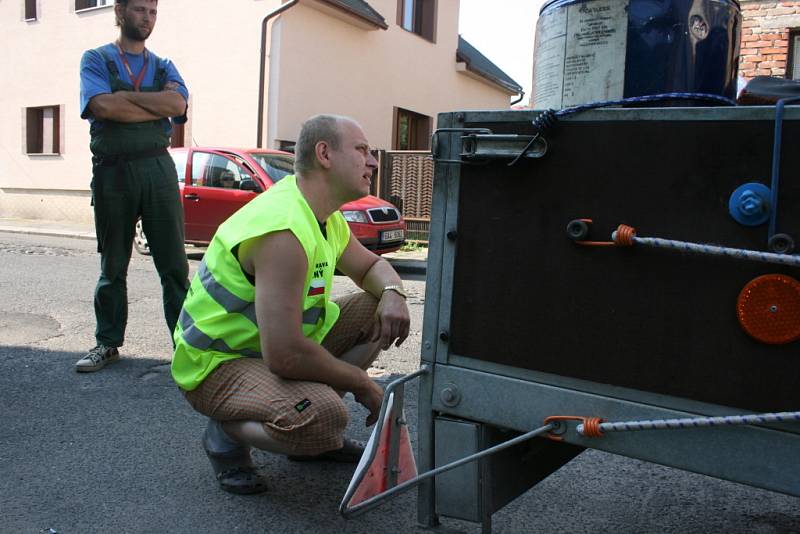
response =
{"points": [[769, 309]]}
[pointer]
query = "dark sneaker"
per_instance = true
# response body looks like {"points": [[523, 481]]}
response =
{"points": [[97, 358], [231, 462], [350, 453]]}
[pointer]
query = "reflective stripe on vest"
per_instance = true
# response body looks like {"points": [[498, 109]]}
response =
{"points": [[199, 340], [230, 302], [218, 321], [312, 315]]}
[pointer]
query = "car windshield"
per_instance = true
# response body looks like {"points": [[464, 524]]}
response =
{"points": [[274, 165]]}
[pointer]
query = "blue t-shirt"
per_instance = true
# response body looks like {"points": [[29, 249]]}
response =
{"points": [[96, 80]]}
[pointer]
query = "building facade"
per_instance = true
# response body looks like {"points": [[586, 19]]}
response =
{"points": [[255, 70], [770, 39]]}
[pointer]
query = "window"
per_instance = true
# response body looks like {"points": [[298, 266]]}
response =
{"points": [[88, 4], [43, 130], [286, 146], [412, 131], [179, 158], [276, 167], [30, 9], [213, 170], [418, 16], [178, 136], [793, 72]]}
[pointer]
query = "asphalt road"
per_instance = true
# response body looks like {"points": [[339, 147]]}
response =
{"points": [[118, 451]]}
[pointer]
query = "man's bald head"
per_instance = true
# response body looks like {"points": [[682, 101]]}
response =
{"points": [[319, 128]]}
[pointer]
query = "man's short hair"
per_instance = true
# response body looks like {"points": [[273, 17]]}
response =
{"points": [[316, 129], [124, 4]]}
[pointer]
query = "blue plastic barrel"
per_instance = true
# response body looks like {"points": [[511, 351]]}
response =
{"points": [[597, 50]]}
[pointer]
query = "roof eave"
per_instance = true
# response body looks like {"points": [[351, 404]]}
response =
{"points": [[513, 89], [376, 23]]}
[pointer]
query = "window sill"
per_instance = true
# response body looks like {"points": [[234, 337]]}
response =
{"points": [[33, 19], [42, 154], [432, 41], [95, 8]]}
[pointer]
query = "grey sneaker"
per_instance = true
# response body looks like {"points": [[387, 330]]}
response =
{"points": [[97, 358]]}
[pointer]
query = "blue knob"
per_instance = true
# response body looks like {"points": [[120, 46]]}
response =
{"points": [[749, 204]]}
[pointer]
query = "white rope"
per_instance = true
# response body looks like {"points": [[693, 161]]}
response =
{"points": [[696, 422], [737, 253]]}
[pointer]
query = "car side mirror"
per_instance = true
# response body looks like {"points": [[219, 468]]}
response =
{"points": [[248, 184]]}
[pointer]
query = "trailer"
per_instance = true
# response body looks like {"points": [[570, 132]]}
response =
{"points": [[619, 279]]}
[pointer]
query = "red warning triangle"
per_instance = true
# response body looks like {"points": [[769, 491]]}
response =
{"points": [[376, 478]]}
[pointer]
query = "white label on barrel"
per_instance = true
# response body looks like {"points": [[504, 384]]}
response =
{"points": [[580, 54], [548, 67]]}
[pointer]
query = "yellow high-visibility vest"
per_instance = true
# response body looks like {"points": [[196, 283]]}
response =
{"points": [[218, 319]]}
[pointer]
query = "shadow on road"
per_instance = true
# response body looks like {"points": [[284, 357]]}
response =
{"points": [[119, 451]]}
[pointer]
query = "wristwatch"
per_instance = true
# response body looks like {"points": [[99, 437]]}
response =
{"points": [[396, 288]]}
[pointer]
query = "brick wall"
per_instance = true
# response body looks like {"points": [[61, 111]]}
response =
{"points": [[765, 36]]}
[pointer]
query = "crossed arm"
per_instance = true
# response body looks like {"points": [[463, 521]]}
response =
{"points": [[129, 106]]}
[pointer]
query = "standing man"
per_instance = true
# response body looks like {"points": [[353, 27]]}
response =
{"points": [[261, 349], [128, 94]]}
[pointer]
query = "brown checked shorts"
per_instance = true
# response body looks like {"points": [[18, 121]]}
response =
{"points": [[308, 417]]}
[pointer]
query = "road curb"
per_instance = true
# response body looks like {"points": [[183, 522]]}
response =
{"points": [[408, 266], [50, 233]]}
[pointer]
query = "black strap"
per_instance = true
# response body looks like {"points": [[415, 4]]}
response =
{"points": [[110, 161]]}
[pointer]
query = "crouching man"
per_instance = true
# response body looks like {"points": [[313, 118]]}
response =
{"points": [[261, 349]]}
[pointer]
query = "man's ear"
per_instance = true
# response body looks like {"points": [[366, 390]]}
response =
{"points": [[119, 12], [323, 152]]}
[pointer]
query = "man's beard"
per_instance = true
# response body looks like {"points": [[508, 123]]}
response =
{"points": [[133, 33]]}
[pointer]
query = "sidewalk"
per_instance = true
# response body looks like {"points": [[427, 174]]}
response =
{"points": [[44, 227], [411, 262]]}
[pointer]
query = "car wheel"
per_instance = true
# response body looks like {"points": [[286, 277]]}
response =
{"points": [[140, 240]]}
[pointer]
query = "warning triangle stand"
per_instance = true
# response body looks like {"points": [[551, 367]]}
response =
{"points": [[388, 458]]}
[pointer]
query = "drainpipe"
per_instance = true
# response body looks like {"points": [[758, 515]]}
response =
{"points": [[263, 57], [517, 101]]}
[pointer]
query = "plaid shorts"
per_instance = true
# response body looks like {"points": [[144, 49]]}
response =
{"points": [[309, 417]]}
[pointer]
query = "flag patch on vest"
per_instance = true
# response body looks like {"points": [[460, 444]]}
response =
{"points": [[317, 287], [302, 405]]}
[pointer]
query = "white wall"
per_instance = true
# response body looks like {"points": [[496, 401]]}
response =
{"points": [[321, 64], [330, 66]]}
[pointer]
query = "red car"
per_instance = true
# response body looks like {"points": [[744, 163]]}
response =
{"points": [[215, 182]]}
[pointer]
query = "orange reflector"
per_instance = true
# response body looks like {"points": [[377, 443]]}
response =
{"points": [[376, 478], [769, 309]]}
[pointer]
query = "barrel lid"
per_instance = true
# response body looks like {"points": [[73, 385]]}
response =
{"points": [[550, 3]]}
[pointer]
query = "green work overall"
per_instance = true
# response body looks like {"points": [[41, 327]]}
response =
{"points": [[133, 176]]}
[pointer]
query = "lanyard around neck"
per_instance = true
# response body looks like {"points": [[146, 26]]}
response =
{"points": [[137, 82]]}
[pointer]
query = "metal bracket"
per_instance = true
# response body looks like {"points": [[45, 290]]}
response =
{"points": [[502, 146], [436, 147]]}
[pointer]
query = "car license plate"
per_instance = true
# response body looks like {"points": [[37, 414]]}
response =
{"points": [[391, 235]]}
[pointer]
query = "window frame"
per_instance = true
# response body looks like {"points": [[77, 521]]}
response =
{"points": [[424, 20], [34, 131], [30, 6], [419, 129], [80, 8], [199, 177], [793, 57]]}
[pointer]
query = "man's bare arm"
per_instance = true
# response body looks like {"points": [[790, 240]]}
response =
{"points": [[115, 107], [373, 273], [279, 264], [163, 104]]}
